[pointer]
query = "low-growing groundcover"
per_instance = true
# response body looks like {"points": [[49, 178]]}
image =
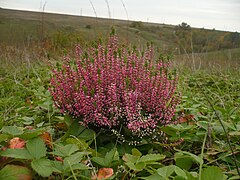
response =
{"points": [[118, 116]]}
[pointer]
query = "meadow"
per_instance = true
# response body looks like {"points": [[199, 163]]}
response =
{"points": [[39, 139]]}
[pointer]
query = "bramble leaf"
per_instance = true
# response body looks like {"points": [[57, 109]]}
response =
{"points": [[212, 173], [16, 153], [42, 166], [15, 172], [166, 171], [36, 148], [152, 157], [12, 130]]}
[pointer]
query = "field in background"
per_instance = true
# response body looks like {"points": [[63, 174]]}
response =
{"points": [[35, 35]]}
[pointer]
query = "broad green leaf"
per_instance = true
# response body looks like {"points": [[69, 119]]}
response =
{"points": [[74, 129], [80, 166], [68, 120], [36, 147], [3, 137], [16, 153], [192, 176], [66, 150], [179, 178], [72, 159], [166, 171], [82, 145], [203, 124], [180, 172], [42, 166], [57, 166], [173, 130], [193, 156], [86, 135], [130, 158], [153, 177], [124, 148], [136, 152], [12, 130], [169, 130], [183, 161], [111, 156], [152, 157], [131, 166], [136, 167], [140, 166], [15, 172], [212, 173], [29, 134], [99, 160]]}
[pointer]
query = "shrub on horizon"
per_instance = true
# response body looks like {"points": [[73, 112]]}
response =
{"points": [[116, 88]]}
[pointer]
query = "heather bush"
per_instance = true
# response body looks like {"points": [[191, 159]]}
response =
{"points": [[113, 88]]}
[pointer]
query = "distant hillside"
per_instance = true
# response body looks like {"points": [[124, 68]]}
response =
{"points": [[57, 31]]}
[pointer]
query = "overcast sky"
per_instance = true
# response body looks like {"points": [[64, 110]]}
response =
{"points": [[218, 14]]}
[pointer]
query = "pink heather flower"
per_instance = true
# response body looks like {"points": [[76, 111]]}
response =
{"points": [[110, 86]]}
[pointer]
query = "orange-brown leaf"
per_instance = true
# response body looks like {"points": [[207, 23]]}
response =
{"points": [[47, 139], [16, 143], [104, 173]]}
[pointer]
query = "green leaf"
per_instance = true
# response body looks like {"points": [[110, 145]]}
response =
{"points": [[3, 137], [180, 172], [136, 152], [15, 172], [36, 148], [111, 156], [68, 120], [192, 176], [166, 171], [124, 148], [72, 159], [136, 167], [86, 135], [42, 166], [80, 166], [64, 151], [29, 134], [82, 145], [16, 153], [130, 158], [74, 129], [99, 160], [57, 166], [173, 130], [12, 130], [179, 178], [203, 124], [152, 157], [193, 156], [169, 130], [183, 161], [212, 173], [153, 177], [140, 166]]}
